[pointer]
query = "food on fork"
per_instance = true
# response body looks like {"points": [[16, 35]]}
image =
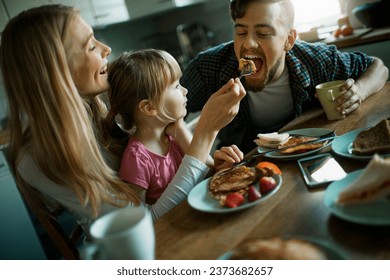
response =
{"points": [[276, 248], [271, 140], [300, 148], [373, 183], [247, 64], [373, 140]]}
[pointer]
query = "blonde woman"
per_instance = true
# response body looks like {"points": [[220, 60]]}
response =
{"points": [[54, 70]]}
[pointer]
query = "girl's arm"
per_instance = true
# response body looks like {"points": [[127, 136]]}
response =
{"points": [[183, 137]]}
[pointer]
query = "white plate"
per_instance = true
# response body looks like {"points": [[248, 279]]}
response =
{"points": [[332, 251], [303, 131], [374, 213], [342, 145], [199, 198]]}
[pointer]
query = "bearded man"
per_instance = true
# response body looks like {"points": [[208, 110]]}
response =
{"points": [[287, 72]]}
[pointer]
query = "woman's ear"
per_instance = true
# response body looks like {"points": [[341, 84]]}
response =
{"points": [[147, 107], [290, 41]]}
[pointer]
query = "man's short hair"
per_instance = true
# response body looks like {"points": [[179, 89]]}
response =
{"points": [[238, 9]]}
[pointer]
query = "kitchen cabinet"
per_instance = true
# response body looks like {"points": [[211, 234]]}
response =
{"points": [[109, 11], [182, 3], [14, 7], [99, 13], [3, 17], [138, 9], [83, 6], [96, 12]]}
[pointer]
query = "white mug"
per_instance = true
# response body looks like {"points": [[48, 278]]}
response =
{"points": [[125, 234], [327, 94]]}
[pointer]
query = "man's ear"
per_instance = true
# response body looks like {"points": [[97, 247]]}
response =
{"points": [[290, 41], [147, 107]]}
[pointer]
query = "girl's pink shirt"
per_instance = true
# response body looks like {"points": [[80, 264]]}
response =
{"points": [[148, 170]]}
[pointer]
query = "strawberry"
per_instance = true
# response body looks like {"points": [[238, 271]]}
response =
{"points": [[234, 199], [267, 184], [253, 194]]}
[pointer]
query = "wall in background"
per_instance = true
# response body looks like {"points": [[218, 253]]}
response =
{"points": [[159, 31]]}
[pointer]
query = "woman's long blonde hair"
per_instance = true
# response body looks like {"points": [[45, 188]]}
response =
{"points": [[47, 116]]}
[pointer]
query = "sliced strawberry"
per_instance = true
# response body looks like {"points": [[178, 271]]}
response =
{"points": [[234, 199], [267, 184], [253, 193]]}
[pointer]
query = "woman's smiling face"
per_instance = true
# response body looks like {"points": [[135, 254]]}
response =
{"points": [[87, 58]]}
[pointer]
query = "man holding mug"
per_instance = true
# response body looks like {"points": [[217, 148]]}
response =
{"points": [[288, 70]]}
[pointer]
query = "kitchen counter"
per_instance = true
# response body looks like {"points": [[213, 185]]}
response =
{"points": [[360, 37]]}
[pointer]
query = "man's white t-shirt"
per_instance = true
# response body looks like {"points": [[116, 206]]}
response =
{"points": [[272, 107]]}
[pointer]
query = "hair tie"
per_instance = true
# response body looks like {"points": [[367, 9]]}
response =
{"points": [[112, 112]]}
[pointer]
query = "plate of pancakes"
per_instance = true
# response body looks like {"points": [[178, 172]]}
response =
{"points": [[205, 198], [305, 134]]}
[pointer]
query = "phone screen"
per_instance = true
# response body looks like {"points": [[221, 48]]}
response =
{"points": [[321, 169]]}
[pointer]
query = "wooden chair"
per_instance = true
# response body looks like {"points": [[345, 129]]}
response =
{"points": [[48, 217]]}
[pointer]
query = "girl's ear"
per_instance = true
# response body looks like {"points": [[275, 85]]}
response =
{"points": [[147, 107]]}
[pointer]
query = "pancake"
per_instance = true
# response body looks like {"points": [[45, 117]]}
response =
{"points": [[276, 248], [237, 179], [300, 148], [246, 63]]}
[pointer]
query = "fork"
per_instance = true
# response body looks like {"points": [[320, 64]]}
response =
{"points": [[320, 135], [246, 70]]}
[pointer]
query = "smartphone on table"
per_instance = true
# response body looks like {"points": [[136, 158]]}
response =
{"points": [[320, 170]]}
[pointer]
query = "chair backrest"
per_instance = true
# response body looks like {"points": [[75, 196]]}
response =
{"points": [[48, 216], [65, 243]]}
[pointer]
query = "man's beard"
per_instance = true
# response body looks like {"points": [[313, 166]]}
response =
{"points": [[256, 86]]}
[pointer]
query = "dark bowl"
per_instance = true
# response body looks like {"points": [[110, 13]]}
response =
{"points": [[373, 14]]}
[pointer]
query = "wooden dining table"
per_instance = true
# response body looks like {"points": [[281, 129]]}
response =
{"points": [[295, 210]]}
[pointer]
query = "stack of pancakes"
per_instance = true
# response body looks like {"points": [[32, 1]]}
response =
{"points": [[225, 182]]}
